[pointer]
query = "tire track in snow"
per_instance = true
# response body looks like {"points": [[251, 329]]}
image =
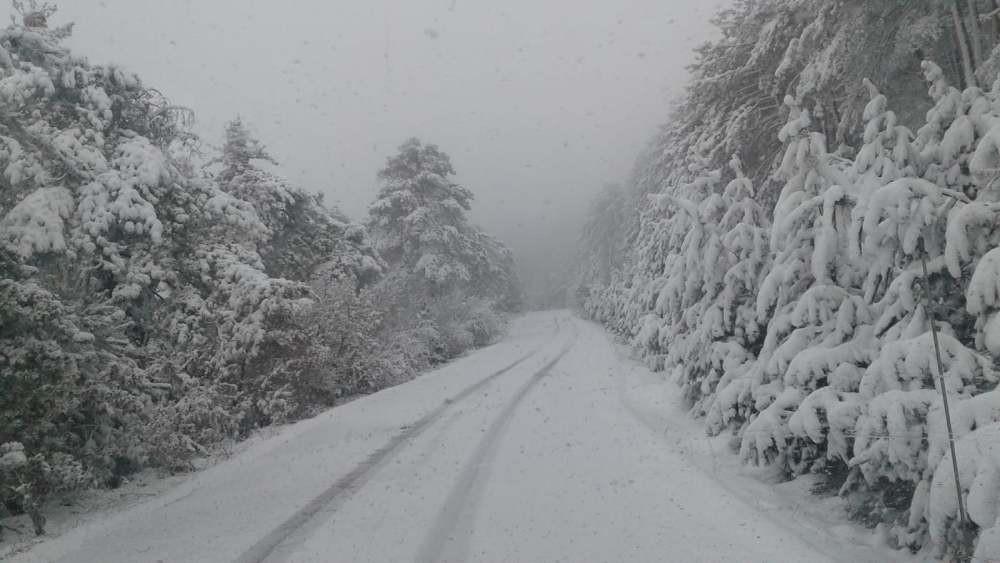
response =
{"points": [[449, 537], [329, 500]]}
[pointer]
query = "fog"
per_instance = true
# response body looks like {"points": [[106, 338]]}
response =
{"points": [[538, 103]]}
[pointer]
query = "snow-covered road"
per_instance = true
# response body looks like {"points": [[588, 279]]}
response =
{"points": [[530, 450]]}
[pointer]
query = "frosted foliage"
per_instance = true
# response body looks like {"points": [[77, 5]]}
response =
{"points": [[982, 299], [947, 142], [890, 433], [827, 415], [809, 228], [37, 223], [296, 236], [971, 232], [133, 289], [910, 364], [439, 267], [984, 287], [123, 197], [816, 331], [702, 300], [967, 415], [887, 153], [767, 435], [989, 544], [895, 217], [116, 187], [985, 165], [979, 471], [13, 456]]}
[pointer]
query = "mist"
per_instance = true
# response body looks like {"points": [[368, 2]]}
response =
{"points": [[538, 104]]}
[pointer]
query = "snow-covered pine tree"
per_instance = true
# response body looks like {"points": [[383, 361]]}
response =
{"points": [[745, 232], [970, 256], [899, 427], [494, 274], [603, 254], [805, 297], [671, 279], [441, 269], [418, 220], [694, 281], [948, 138], [302, 235], [886, 156], [602, 245], [351, 350]]}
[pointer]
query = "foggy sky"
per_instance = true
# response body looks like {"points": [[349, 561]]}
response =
{"points": [[538, 102]]}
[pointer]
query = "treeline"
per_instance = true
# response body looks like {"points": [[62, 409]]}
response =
{"points": [[155, 303], [769, 250]]}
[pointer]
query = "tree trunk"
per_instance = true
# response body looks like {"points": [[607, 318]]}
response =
{"points": [[970, 75], [975, 37], [991, 36]]}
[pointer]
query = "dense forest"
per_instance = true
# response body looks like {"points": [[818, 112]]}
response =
{"points": [[819, 216], [160, 298]]}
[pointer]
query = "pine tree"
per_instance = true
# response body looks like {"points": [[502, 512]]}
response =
{"points": [[446, 278], [302, 235], [418, 219], [746, 231]]}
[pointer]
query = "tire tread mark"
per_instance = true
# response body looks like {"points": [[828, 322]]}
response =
{"points": [[464, 494], [346, 485]]}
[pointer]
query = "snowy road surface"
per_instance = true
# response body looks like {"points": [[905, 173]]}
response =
{"points": [[526, 451]]}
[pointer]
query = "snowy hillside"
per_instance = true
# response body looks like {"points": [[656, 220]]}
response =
{"points": [[832, 333]]}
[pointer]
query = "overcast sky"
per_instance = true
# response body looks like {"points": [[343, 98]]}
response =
{"points": [[538, 102]]}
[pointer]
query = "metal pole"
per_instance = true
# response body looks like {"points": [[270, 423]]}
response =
{"points": [[929, 304]]}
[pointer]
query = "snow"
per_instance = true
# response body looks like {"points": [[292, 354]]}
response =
{"points": [[37, 223], [576, 453], [978, 462], [12, 455], [966, 228], [989, 545], [984, 287], [985, 162]]}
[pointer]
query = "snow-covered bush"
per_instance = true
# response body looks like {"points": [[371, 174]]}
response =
{"points": [[461, 323], [449, 283], [351, 350]]}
